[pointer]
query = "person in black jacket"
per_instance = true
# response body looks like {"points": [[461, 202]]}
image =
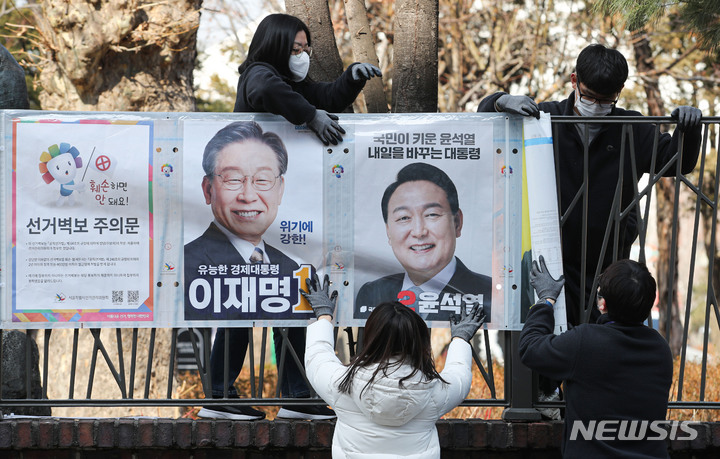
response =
{"points": [[617, 370], [273, 79], [598, 80]]}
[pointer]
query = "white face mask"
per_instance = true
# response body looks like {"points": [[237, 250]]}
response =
{"points": [[590, 109], [299, 66]]}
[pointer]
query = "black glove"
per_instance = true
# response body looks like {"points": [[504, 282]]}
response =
{"points": [[466, 325], [519, 105], [325, 126], [322, 304], [543, 283], [687, 117], [365, 72]]}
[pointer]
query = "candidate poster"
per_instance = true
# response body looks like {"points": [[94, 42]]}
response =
{"points": [[423, 213], [81, 221], [253, 226]]}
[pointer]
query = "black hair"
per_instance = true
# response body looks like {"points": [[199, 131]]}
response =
{"points": [[273, 41], [241, 131], [603, 70], [422, 171], [629, 291], [394, 335]]}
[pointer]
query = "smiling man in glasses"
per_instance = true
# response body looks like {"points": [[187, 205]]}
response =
{"points": [[243, 185], [598, 80]]}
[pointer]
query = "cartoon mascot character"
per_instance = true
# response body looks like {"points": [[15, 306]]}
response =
{"points": [[61, 163]]}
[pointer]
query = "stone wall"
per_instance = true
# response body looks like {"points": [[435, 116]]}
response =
{"points": [[184, 438]]}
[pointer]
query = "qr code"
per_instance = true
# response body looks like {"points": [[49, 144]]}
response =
{"points": [[133, 296], [117, 296]]}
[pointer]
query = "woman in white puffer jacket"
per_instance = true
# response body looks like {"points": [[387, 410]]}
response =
{"points": [[390, 396]]}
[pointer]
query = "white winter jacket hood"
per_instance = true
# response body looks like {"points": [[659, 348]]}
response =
{"points": [[384, 401], [385, 421]]}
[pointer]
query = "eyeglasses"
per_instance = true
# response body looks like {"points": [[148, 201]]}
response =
{"points": [[262, 181], [598, 297], [589, 100], [299, 48]]}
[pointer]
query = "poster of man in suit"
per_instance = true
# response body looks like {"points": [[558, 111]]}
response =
{"points": [[245, 259], [426, 211]]}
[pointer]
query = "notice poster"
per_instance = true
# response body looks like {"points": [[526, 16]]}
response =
{"points": [[423, 217], [81, 221]]}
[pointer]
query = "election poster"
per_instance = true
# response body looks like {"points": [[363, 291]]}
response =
{"points": [[218, 220], [81, 218], [253, 227], [423, 217]]}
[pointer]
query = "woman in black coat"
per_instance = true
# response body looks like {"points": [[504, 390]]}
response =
{"points": [[273, 79]]}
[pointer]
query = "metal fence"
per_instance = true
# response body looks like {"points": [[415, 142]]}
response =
{"points": [[690, 277]]}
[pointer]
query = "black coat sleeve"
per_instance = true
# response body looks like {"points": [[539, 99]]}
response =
{"points": [[487, 105], [552, 355], [691, 140], [262, 89], [667, 147], [334, 96]]}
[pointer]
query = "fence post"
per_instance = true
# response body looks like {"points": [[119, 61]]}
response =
{"points": [[521, 384]]}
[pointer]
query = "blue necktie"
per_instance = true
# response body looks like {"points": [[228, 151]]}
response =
{"points": [[257, 256]]}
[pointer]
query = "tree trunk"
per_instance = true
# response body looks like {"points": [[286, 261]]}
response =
{"points": [[118, 55], [326, 64], [363, 47], [415, 77], [665, 193], [451, 59]]}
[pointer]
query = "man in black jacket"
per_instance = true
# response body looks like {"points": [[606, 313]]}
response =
{"points": [[599, 78], [618, 370]]}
